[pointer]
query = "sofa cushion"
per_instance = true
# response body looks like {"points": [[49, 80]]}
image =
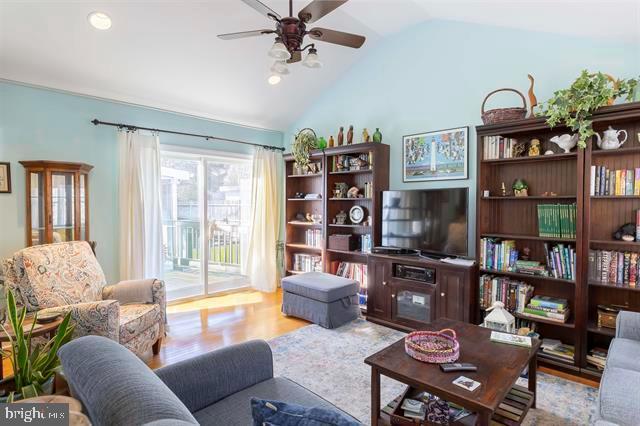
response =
{"points": [[235, 410], [623, 353], [619, 399], [267, 412], [59, 274], [137, 317], [320, 286], [115, 386]]}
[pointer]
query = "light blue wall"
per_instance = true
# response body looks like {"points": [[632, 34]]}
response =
{"points": [[435, 75], [37, 124]]}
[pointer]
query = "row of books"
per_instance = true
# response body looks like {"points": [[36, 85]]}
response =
{"points": [[313, 237], [502, 255], [548, 308], [514, 294], [303, 262], [557, 220], [368, 190], [357, 272], [597, 357], [616, 267], [496, 147], [614, 182], [348, 162], [554, 348]]}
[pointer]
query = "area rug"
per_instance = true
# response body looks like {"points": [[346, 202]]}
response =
{"points": [[331, 364]]}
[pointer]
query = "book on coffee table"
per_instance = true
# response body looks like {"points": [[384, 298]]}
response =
{"points": [[510, 339]]}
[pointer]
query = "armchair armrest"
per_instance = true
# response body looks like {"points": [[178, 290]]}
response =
{"points": [[138, 291], [100, 318], [628, 325], [222, 373]]}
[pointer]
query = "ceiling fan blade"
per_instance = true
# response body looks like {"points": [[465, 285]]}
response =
{"points": [[337, 37], [318, 8], [295, 57], [244, 34], [262, 8]]}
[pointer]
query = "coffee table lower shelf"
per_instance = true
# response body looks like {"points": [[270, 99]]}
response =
{"points": [[511, 412]]}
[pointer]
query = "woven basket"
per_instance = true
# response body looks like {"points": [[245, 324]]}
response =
{"points": [[501, 115], [435, 347]]}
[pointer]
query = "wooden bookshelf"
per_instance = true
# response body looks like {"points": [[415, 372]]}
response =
{"points": [[597, 218], [516, 218], [324, 183]]}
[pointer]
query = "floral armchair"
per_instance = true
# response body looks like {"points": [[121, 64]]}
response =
{"points": [[65, 277]]}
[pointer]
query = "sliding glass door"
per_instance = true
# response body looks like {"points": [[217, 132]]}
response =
{"points": [[206, 207]]}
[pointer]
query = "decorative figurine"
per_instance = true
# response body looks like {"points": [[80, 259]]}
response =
{"points": [[526, 254], [340, 190], [504, 190], [566, 141], [365, 136], [533, 101], [549, 194], [331, 141], [534, 148], [549, 152], [299, 195], [377, 136], [313, 168], [350, 135], [308, 217], [626, 232], [353, 192], [358, 163], [520, 188], [341, 218], [316, 218], [341, 136], [519, 149], [300, 217], [611, 139]]}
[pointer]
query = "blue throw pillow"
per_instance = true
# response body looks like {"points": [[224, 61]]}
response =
{"points": [[276, 413]]}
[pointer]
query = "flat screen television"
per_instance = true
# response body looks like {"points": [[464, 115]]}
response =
{"points": [[430, 220]]}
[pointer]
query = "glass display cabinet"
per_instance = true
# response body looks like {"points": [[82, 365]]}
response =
{"points": [[57, 201]]}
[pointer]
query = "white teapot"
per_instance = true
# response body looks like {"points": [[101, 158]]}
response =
{"points": [[610, 139]]}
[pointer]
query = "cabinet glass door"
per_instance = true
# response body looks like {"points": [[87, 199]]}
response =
{"points": [[62, 206], [36, 194], [413, 304]]}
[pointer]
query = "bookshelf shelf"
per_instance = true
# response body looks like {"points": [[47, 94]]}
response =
{"points": [[592, 327], [292, 272], [532, 197], [334, 225], [623, 244], [615, 197], [351, 172], [349, 253], [525, 276], [621, 151], [557, 362], [613, 286], [304, 199], [350, 199], [526, 237], [309, 175], [532, 318], [540, 158], [307, 224], [303, 247]]}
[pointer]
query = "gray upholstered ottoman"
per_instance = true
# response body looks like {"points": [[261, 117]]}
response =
{"points": [[324, 299]]}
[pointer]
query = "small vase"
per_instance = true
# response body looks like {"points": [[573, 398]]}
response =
{"points": [[331, 141], [365, 135], [350, 135], [341, 136], [377, 136]]}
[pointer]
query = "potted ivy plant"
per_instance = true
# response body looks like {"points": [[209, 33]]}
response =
{"points": [[34, 365], [303, 143], [574, 106]]}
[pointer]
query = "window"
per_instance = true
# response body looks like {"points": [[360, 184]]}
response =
{"points": [[206, 205]]}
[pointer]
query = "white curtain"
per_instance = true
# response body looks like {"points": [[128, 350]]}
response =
{"points": [[140, 208], [262, 267]]}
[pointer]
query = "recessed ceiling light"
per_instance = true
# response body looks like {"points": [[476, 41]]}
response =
{"points": [[99, 20], [274, 79]]}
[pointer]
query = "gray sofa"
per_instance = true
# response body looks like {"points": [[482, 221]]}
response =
{"points": [[619, 395], [117, 388]]}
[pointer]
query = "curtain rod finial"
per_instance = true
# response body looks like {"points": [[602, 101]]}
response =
{"points": [[95, 121]]}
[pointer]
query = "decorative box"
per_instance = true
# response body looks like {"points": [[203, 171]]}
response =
{"points": [[607, 315], [344, 242]]}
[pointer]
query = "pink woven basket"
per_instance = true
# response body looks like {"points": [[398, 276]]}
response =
{"points": [[435, 347]]}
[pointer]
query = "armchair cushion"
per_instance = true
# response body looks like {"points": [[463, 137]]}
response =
{"points": [[101, 318], [136, 318], [58, 274], [628, 325]]}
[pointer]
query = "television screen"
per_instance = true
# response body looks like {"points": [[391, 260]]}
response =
{"points": [[431, 220]]}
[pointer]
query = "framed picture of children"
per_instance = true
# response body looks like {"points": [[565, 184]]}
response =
{"points": [[5, 178], [439, 155]]}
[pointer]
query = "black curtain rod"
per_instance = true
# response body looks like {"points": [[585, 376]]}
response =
{"points": [[131, 127]]}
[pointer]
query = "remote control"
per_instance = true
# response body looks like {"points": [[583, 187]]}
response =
{"points": [[458, 366]]}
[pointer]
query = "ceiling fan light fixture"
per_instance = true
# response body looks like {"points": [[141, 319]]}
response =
{"points": [[279, 51], [312, 60], [99, 20], [280, 68], [274, 79]]}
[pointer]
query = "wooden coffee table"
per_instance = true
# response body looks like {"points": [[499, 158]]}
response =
{"points": [[499, 367]]}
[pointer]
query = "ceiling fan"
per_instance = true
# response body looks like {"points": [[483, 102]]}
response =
{"points": [[290, 32]]}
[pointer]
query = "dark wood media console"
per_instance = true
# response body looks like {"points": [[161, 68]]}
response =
{"points": [[403, 296]]}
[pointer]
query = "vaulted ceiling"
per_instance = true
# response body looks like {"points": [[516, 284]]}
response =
{"points": [[165, 54]]}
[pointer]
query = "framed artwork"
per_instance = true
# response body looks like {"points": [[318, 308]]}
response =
{"points": [[5, 178], [440, 155]]}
